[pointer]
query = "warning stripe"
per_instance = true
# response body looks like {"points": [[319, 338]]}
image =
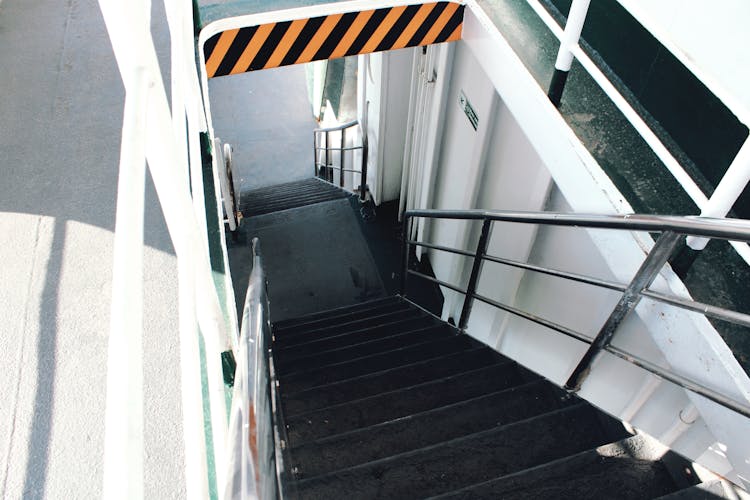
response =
{"points": [[329, 37]]}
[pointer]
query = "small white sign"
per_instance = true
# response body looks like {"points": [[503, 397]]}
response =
{"points": [[468, 110]]}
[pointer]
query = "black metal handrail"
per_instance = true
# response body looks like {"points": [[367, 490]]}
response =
{"points": [[672, 228], [328, 167]]}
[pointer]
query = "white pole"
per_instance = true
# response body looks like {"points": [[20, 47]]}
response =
{"points": [[729, 189], [572, 33], [568, 42], [123, 439]]}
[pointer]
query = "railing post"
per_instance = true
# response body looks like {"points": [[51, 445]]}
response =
{"points": [[341, 157], [328, 174], [363, 177], [646, 274], [573, 28], [476, 268], [315, 153], [405, 253]]}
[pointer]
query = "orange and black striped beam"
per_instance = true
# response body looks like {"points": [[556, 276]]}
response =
{"points": [[329, 37]]}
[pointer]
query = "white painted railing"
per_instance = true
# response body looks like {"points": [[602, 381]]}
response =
{"points": [[169, 143], [737, 175]]}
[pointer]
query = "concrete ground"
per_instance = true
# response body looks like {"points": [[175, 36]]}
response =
{"points": [[61, 103]]}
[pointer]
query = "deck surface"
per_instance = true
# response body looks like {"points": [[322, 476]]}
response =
{"points": [[61, 112]]}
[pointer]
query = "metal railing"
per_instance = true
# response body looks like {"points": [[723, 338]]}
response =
{"points": [[255, 460], [167, 140], [672, 229], [325, 170], [735, 179]]}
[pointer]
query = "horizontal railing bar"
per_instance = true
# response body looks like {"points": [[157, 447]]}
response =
{"points": [[728, 229], [336, 128], [334, 167], [320, 148], [435, 280], [536, 319], [706, 392], [439, 247], [716, 312], [560, 274]]}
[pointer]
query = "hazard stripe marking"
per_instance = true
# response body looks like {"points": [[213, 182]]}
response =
{"points": [[328, 37]]}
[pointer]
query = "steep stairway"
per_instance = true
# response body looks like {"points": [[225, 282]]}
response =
{"points": [[289, 195], [384, 400]]}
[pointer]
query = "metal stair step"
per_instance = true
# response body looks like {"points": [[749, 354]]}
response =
{"points": [[299, 380], [403, 402], [373, 345], [620, 469], [357, 311], [391, 379], [289, 195], [427, 428], [464, 461], [344, 328]]}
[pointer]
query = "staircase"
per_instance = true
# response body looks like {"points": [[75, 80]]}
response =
{"points": [[289, 195], [384, 400]]}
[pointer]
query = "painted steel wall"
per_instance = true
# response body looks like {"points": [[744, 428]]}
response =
{"points": [[522, 156]]}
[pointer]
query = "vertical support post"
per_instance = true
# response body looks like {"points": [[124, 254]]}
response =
{"points": [[341, 157], [662, 250], [405, 253], [363, 178], [315, 153], [571, 35], [726, 193], [476, 268], [327, 171]]}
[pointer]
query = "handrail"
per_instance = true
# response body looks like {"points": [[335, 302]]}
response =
{"points": [[336, 128], [672, 230], [728, 229], [253, 452], [328, 165]]}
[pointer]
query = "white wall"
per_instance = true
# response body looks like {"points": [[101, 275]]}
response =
{"points": [[524, 157], [384, 80]]}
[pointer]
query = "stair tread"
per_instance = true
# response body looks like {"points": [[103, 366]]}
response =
{"points": [[387, 380], [402, 402], [615, 468], [291, 322], [391, 317], [296, 381], [288, 195], [427, 428], [366, 309], [464, 461], [391, 340]]}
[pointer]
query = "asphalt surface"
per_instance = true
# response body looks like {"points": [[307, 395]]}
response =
{"points": [[61, 101]]}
